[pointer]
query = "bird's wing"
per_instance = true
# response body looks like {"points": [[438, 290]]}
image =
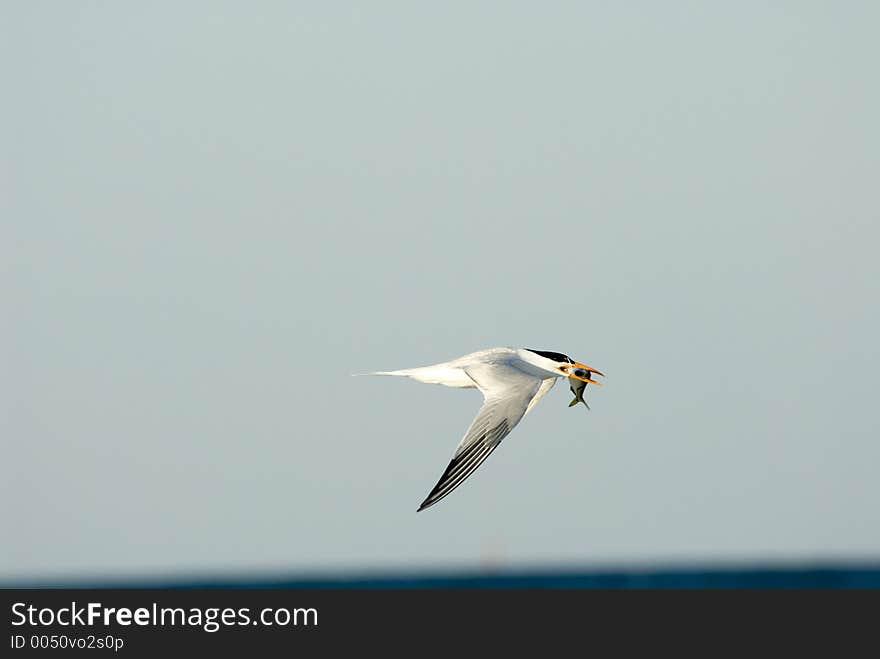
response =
{"points": [[507, 392], [546, 386]]}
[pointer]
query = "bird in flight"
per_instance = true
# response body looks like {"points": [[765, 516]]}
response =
{"points": [[512, 381]]}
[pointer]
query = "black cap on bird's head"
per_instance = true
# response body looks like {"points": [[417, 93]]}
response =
{"points": [[555, 356], [569, 367]]}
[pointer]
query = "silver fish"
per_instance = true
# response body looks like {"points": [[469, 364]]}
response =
{"points": [[577, 388]]}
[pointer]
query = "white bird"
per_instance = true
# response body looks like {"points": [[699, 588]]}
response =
{"points": [[512, 381]]}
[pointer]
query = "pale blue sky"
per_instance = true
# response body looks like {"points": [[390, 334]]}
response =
{"points": [[213, 213]]}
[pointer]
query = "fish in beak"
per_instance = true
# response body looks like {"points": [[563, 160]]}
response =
{"points": [[578, 378], [577, 388], [580, 371]]}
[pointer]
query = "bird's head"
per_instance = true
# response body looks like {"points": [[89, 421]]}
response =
{"points": [[565, 365]]}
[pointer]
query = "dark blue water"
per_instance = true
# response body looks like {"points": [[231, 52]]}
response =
{"points": [[823, 578], [754, 577]]}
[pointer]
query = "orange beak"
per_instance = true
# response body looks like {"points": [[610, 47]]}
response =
{"points": [[583, 367]]}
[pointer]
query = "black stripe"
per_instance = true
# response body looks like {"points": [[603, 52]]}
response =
{"points": [[457, 467], [462, 466], [462, 470], [446, 488], [555, 356]]}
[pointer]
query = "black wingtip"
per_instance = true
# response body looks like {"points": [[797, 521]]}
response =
{"points": [[463, 465]]}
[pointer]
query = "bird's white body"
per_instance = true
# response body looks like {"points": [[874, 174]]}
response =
{"points": [[512, 381], [454, 373]]}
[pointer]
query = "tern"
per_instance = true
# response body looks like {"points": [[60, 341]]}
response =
{"points": [[512, 381]]}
